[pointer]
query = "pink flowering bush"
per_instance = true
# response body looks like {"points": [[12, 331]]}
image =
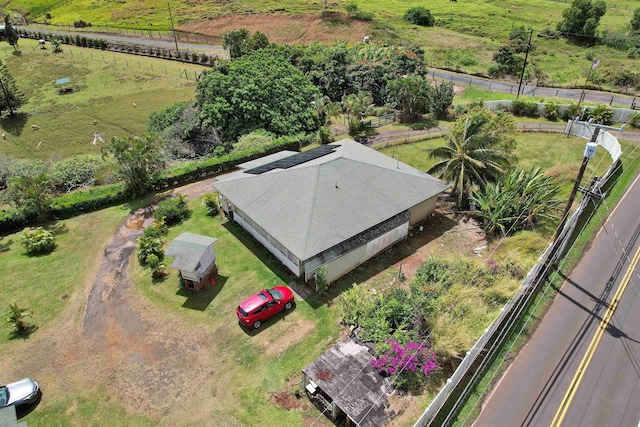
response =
{"points": [[409, 365]]}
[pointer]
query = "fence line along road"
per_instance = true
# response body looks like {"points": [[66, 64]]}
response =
{"points": [[596, 97]]}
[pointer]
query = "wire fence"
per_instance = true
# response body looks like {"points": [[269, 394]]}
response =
{"points": [[124, 62]]}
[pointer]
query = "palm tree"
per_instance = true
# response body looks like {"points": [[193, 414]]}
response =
{"points": [[472, 156], [17, 318], [357, 107]]}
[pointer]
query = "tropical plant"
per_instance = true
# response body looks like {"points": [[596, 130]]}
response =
{"points": [[210, 202], [355, 304], [517, 201], [357, 107], [56, 43], [139, 159], [322, 285], [440, 99], [551, 111], [17, 318], [602, 114], [172, 210], [472, 157], [253, 140], [149, 245], [411, 96], [38, 240], [32, 192], [408, 365]]}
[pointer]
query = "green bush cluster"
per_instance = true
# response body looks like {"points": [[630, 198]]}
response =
{"points": [[38, 240], [210, 203], [83, 201], [172, 210], [419, 16], [524, 109]]}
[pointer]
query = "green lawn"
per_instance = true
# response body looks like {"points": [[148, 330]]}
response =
{"points": [[251, 368], [108, 85], [44, 283], [558, 155]]}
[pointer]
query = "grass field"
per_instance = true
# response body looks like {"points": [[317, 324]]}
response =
{"points": [[117, 91], [473, 29]]}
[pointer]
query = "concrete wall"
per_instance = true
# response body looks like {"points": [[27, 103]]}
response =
{"points": [[620, 115], [347, 262], [422, 210]]}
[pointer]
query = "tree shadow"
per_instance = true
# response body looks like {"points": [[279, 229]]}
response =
{"points": [[24, 333], [14, 125], [429, 124], [57, 228], [266, 257], [201, 300], [6, 246]]}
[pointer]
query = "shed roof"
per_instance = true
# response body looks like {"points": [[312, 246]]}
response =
{"points": [[346, 375], [313, 206], [188, 249]]}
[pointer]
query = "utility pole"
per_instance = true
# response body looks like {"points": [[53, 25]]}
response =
{"points": [[524, 66], [172, 29], [594, 64], [589, 152]]}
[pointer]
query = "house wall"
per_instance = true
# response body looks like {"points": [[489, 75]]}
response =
{"points": [[422, 210], [347, 262], [286, 261], [207, 259], [224, 204]]}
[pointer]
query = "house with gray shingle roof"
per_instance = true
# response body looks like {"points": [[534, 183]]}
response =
{"points": [[335, 206], [194, 257]]}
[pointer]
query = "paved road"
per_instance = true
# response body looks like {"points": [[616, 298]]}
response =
{"points": [[531, 390], [574, 94], [461, 79]]}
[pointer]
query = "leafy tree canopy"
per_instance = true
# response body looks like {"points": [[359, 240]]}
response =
{"points": [[582, 18], [419, 16], [261, 90], [240, 42]]}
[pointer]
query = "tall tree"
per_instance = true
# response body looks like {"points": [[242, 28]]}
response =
{"points": [[11, 99], [261, 90], [471, 157], [11, 33], [411, 96], [582, 18], [240, 42], [138, 160]]}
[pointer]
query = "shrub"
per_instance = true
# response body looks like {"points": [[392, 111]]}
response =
{"points": [[324, 135], [74, 172], [409, 365], [321, 280], [17, 318], [210, 203], [634, 120], [81, 24], [602, 114], [355, 304], [149, 246], [419, 16], [523, 108], [38, 240], [550, 111], [570, 113], [173, 210]]}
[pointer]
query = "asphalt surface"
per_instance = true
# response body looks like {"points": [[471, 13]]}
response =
{"points": [[543, 92], [531, 390], [460, 79]]}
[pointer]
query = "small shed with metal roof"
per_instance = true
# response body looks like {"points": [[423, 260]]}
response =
{"points": [[195, 258], [343, 381]]}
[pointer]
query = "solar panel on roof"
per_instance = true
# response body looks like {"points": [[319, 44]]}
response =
{"points": [[295, 160]]}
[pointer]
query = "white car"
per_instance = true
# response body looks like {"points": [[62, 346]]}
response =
{"points": [[23, 392]]}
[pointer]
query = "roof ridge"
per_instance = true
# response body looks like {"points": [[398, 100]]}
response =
{"points": [[312, 209]]}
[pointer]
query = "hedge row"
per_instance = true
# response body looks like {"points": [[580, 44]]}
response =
{"points": [[84, 201]]}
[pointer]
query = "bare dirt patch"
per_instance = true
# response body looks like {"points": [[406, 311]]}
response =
{"points": [[288, 401], [284, 28]]}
